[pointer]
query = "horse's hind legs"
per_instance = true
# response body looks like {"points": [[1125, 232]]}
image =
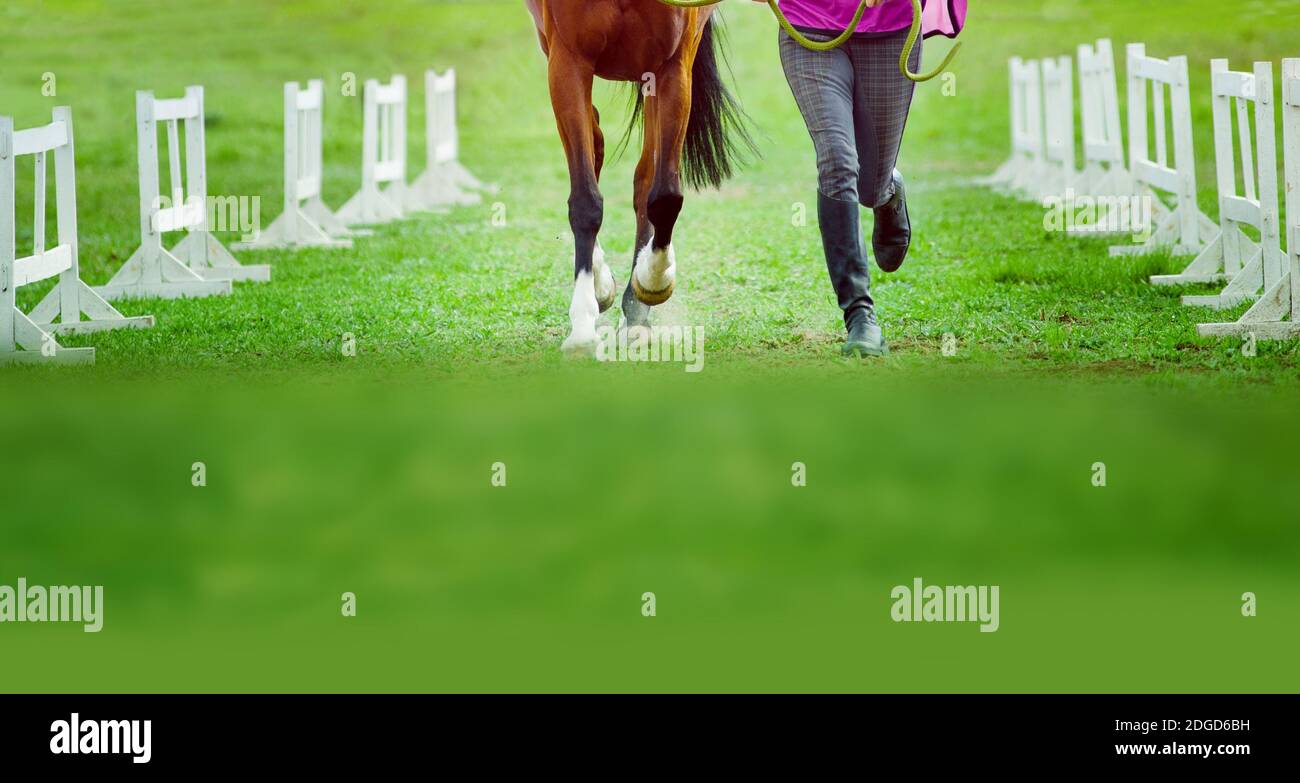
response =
{"points": [[570, 83]]}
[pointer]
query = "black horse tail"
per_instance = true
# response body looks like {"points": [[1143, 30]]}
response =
{"points": [[717, 136]]}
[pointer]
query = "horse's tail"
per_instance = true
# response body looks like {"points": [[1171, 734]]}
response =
{"points": [[715, 133]]}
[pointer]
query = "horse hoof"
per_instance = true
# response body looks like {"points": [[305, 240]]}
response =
{"points": [[579, 346], [606, 289], [635, 312], [653, 298]]}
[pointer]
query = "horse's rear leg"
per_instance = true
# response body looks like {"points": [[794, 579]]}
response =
{"points": [[570, 82], [655, 273]]}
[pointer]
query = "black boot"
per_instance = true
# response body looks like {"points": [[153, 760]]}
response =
{"points": [[865, 338], [846, 261], [892, 234]]}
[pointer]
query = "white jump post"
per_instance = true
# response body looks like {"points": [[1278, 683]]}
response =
{"points": [[444, 181], [1007, 171], [1232, 255], [1183, 229], [305, 221], [1059, 175], [1276, 315], [383, 156], [1104, 172], [31, 338], [1023, 169], [199, 265]]}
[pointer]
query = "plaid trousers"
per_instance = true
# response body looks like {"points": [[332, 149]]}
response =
{"points": [[855, 101]]}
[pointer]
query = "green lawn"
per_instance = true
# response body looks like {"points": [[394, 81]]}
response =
{"points": [[438, 291], [371, 474]]}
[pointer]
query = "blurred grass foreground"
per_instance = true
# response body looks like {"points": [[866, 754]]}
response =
{"points": [[500, 532]]}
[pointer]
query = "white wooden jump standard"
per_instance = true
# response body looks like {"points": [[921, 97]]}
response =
{"points": [[1232, 256], [1184, 229], [30, 338], [62, 308], [199, 265], [1059, 175], [1276, 316], [305, 221], [1002, 177], [1023, 169], [1104, 172], [383, 156], [444, 181]]}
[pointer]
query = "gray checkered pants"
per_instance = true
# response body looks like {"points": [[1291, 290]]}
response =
{"points": [[854, 100]]}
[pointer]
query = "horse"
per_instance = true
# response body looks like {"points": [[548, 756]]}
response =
{"points": [[692, 129]]}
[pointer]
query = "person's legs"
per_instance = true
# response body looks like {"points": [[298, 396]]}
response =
{"points": [[823, 84], [880, 110], [823, 87], [880, 107]]}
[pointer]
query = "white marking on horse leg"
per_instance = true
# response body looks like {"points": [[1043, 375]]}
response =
{"points": [[606, 288], [582, 318], [656, 269]]}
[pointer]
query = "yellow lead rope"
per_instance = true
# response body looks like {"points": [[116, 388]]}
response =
{"points": [[823, 46], [818, 46]]}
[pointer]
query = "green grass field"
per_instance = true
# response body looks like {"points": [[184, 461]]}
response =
{"points": [[440, 290], [371, 474]]}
